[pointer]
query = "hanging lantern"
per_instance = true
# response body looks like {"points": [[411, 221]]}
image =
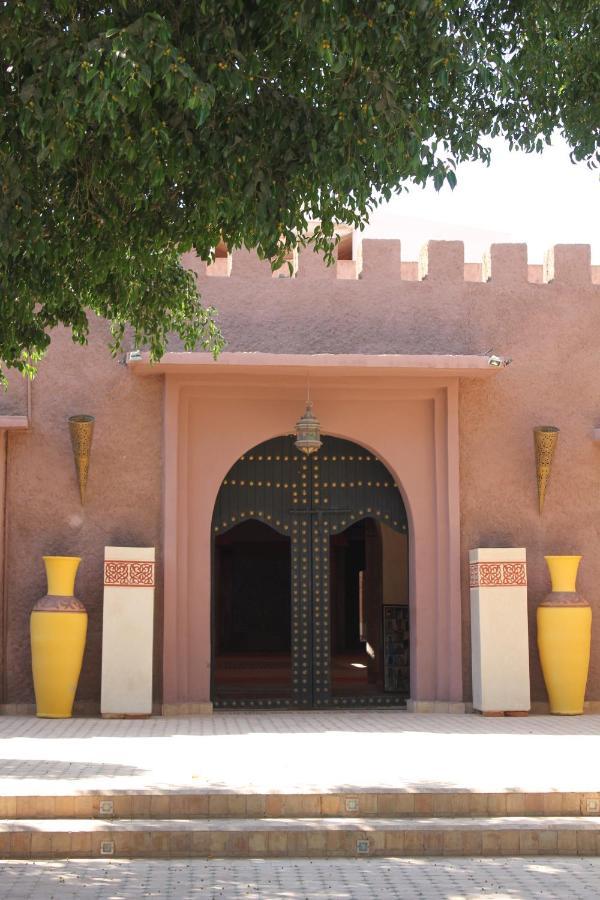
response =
{"points": [[308, 431]]}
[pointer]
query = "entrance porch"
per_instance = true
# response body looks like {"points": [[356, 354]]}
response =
{"points": [[403, 410]]}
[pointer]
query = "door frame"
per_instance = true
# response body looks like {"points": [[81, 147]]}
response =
{"points": [[411, 423]]}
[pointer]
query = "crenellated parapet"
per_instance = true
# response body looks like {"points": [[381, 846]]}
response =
{"points": [[381, 260]]}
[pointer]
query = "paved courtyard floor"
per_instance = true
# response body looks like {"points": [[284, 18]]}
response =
{"points": [[373, 879], [300, 752]]}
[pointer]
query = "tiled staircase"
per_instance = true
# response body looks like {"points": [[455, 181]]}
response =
{"points": [[393, 823]]}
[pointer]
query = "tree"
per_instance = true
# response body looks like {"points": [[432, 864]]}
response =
{"points": [[131, 131]]}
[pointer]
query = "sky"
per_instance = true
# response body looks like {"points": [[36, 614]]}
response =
{"points": [[540, 200]]}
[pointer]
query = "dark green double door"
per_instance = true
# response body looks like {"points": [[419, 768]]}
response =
{"points": [[298, 580]]}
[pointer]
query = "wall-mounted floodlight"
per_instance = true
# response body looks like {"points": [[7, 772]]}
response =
{"points": [[498, 362]]}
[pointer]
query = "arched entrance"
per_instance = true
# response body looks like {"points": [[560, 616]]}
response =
{"points": [[310, 580]]}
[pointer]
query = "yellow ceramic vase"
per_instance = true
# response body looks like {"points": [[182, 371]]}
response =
{"points": [[564, 627], [58, 632]]}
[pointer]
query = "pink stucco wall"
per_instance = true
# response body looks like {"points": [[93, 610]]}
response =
{"points": [[44, 514], [549, 328]]}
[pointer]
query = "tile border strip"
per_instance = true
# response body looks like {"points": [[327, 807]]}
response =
{"points": [[129, 573], [498, 574]]}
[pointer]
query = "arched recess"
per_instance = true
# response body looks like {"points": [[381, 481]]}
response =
{"points": [[335, 507]]}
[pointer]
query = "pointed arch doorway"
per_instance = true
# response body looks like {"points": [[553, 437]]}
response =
{"points": [[309, 580]]}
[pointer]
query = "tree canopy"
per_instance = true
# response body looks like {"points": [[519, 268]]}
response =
{"points": [[131, 131]]}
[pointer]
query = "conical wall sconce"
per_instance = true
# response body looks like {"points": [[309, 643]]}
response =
{"points": [[545, 438], [82, 430]]}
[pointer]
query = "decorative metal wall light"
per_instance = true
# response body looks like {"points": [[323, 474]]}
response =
{"points": [[545, 438], [82, 430], [308, 431]]}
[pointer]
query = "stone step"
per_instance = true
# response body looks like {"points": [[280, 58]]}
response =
{"points": [[202, 804], [299, 837]]}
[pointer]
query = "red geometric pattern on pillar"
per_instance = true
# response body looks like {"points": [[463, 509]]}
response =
{"points": [[128, 573], [497, 574]]}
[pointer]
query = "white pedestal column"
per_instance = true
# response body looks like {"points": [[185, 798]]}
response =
{"points": [[499, 634], [127, 631]]}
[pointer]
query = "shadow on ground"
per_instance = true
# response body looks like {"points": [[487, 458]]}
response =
{"points": [[61, 769]]}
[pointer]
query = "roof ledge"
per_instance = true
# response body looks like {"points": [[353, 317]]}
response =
{"points": [[463, 365]]}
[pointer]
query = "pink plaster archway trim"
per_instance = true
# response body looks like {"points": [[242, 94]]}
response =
{"points": [[410, 423]]}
